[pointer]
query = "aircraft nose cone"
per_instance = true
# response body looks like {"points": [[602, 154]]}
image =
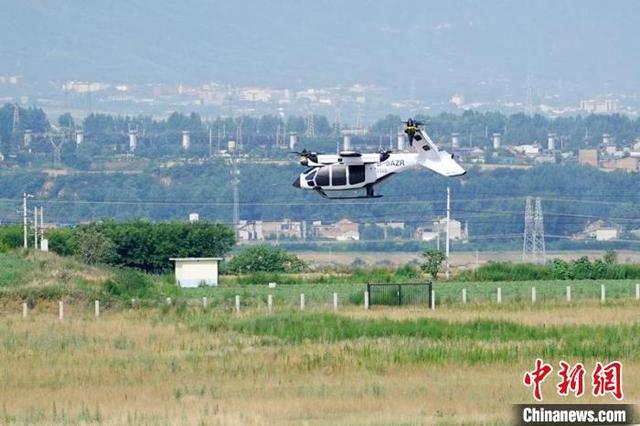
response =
{"points": [[296, 183]]}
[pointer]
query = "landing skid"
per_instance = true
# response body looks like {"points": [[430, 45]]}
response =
{"points": [[370, 194]]}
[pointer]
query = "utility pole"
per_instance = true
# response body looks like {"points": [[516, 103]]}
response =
{"points": [[35, 227], [41, 225], [448, 220], [24, 217]]}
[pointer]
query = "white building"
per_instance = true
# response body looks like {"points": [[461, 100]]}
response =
{"points": [[455, 228], [606, 234], [192, 272]]}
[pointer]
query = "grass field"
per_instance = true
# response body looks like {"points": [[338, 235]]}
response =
{"points": [[449, 293], [183, 364], [358, 367]]}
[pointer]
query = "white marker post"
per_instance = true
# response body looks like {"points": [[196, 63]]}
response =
{"points": [[335, 301], [97, 308], [433, 300], [204, 303], [603, 293], [61, 310], [25, 310], [568, 294], [302, 301], [464, 296], [237, 304], [168, 300], [270, 303], [133, 303], [499, 295], [637, 291], [533, 295], [366, 299]]}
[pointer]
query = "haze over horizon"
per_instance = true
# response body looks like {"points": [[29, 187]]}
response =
{"points": [[429, 49]]}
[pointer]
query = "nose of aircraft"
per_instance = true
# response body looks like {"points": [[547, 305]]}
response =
{"points": [[296, 183]]}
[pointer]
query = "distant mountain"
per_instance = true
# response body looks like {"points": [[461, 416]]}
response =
{"points": [[432, 47]]}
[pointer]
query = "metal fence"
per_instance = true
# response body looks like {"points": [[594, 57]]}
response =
{"points": [[400, 294]]}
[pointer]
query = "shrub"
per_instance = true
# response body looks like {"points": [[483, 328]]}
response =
{"points": [[10, 237], [265, 259], [128, 283]]}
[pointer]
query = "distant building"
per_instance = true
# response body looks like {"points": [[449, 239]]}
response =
{"points": [[606, 234], [528, 150], [455, 228], [588, 157], [423, 234], [286, 229], [605, 106], [457, 99], [248, 231], [343, 230], [628, 163], [600, 230], [259, 230]]}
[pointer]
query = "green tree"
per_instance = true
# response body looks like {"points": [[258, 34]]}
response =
{"points": [[66, 121], [10, 237], [560, 269], [94, 247], [265, 259], [610, 257], [62, 241], [433, 262]]}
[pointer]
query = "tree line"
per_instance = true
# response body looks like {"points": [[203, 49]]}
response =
{"points": [[106, 134], [139, 244]]}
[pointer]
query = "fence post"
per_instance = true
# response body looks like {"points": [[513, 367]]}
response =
{"points": [[335, 301], [366, 299], [302, 301], [133, 303], [433, 300], [61, 310], [568, 294], [168, 301], [270, 303], [399, 294], [25, 310], [499, 295], [637, 291], [533, 295], [237, 304], [464, 295], [603, 295], [204, 302], [97, 308]]}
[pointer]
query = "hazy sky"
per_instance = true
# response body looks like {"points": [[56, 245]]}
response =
{"points": [[574, 46]]}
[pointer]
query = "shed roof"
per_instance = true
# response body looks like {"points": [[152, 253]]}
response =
{"points": [[193, 259]]}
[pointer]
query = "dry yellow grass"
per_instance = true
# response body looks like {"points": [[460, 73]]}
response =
{"points": [[141, 368]]}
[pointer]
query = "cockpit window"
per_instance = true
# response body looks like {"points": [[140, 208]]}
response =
{"points": [[417, 137], [311, 175], [426, 147]]}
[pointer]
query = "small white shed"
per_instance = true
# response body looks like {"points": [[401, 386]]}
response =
{"points": [[193, 271]]}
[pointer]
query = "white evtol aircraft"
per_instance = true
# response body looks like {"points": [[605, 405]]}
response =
{"points": [[353, 170]]}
